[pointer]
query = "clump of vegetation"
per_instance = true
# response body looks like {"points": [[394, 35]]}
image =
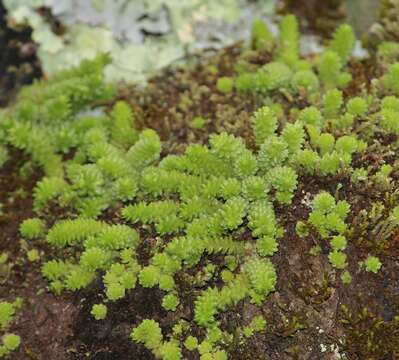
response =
{"points": [[10, 341], [204, 226]]}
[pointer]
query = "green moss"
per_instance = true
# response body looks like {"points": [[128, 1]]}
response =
{"points": [[99, 311], [202, 224], [225, 84]]}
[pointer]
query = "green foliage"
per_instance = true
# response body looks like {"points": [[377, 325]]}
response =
{"points": [[123, 132], [343, 42], [337, 259], [170, 351], [315, 250], [346, 277], [222, 198], [149, 276], [388, 52], [357, 106], [43, 118], [262, 277], [391, 79], [311, 116], [99, 311], [261, 36], [389, 120], [301, 229], [206, 307], [225, 84], [284, 180], [338, 242], [325, 143], [7, 312], [332, 102], [49, 188], [328, 215], [262, 220], [33, 255], [191, 343], [149, 333], [233, 212], [372, 264], [266, 246], [272, 76], [288, 50], [32, 228], [70, 232], [170, 302], [306, 80], [294, 136], [10, 343], [264, 124], [273, 152], [330, 70], [308, 159], [257, 324]]}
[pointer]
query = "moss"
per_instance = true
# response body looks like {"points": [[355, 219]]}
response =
{"points": [[213, 220]]}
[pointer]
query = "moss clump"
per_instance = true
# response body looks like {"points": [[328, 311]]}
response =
{"points": [[208, 227]]}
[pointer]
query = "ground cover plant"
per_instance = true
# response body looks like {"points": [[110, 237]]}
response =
{"points": [[243, 208]]}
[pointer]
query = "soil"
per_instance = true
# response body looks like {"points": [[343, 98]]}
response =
{"points": [[311, 314]]}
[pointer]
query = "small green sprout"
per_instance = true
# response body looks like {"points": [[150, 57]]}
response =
{"points": [[337, 259], [332, 101], [315, 250], [33, 255], [3, 258], [170, 351], [391, 79], [205, 347], [372, 264], [170, 302], [346, 277], [191, 343], [257, 324], [226, 275], [99, 311], [264, 124], [220, 355], [338, 242], [266, 245], [149, 276], [359, 175], [301, 229], [10, 343], [343, 42], [115, 292], [225, 84], [261, 36], [32, 228], [306, 80], [198, 122], [149, 333], [357, 106]]}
